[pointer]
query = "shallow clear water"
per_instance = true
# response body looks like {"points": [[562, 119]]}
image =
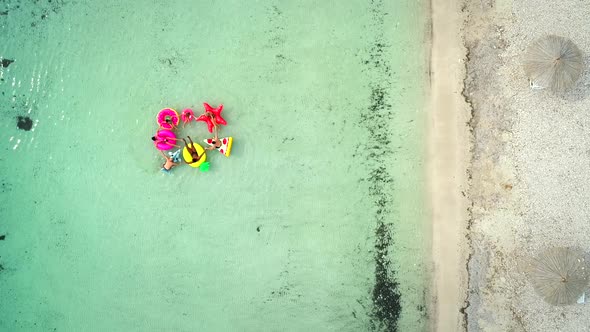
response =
{"points": [[316, 220]]}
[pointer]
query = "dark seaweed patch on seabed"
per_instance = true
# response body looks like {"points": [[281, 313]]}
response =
{"points": [[24, 123], [386, 306], [37, 10], [6, 62]]}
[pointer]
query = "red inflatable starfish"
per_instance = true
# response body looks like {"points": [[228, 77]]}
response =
{"points": [[212, 116]]}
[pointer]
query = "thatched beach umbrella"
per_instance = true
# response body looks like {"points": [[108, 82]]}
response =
{"points": [[559, 275], [553, 62]]}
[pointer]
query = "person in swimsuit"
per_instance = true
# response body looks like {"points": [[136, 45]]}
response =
{"points": [[168, 164], [212, 117], [215, 141], [187, 116], [169, 122], [168, 140], [192, 150]]}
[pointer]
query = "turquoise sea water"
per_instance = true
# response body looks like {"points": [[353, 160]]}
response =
{"points": [[315, 222]]}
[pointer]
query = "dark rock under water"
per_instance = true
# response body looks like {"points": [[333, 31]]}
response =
{"points": [[6, 62], [24, 123]]}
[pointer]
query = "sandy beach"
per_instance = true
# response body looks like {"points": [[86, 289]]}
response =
{"points": [[530, 165], [448, 162]]}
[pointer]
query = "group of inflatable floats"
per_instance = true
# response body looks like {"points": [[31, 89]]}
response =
{"points": [[193, 154]]}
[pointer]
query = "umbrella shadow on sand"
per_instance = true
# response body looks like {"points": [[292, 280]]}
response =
{"points": [[581, 90], [554, 63], [559, 275]]}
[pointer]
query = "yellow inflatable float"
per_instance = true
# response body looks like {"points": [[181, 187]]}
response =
{"points": [[186, 155]]}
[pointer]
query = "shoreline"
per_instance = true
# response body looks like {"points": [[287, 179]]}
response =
{"points": [[449, 142]]}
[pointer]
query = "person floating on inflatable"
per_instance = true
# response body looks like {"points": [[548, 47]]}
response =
{"points": [[168, 119], [165, 140], [194, 155], [222, 145], [168, 124], [191, 148], [187, 116], [212, 117], [171, 161]]}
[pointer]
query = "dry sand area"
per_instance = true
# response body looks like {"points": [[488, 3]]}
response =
{"points": [[530, 171]]}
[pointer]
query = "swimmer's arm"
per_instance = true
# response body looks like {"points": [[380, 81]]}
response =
{"points": [[163, 155]]}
